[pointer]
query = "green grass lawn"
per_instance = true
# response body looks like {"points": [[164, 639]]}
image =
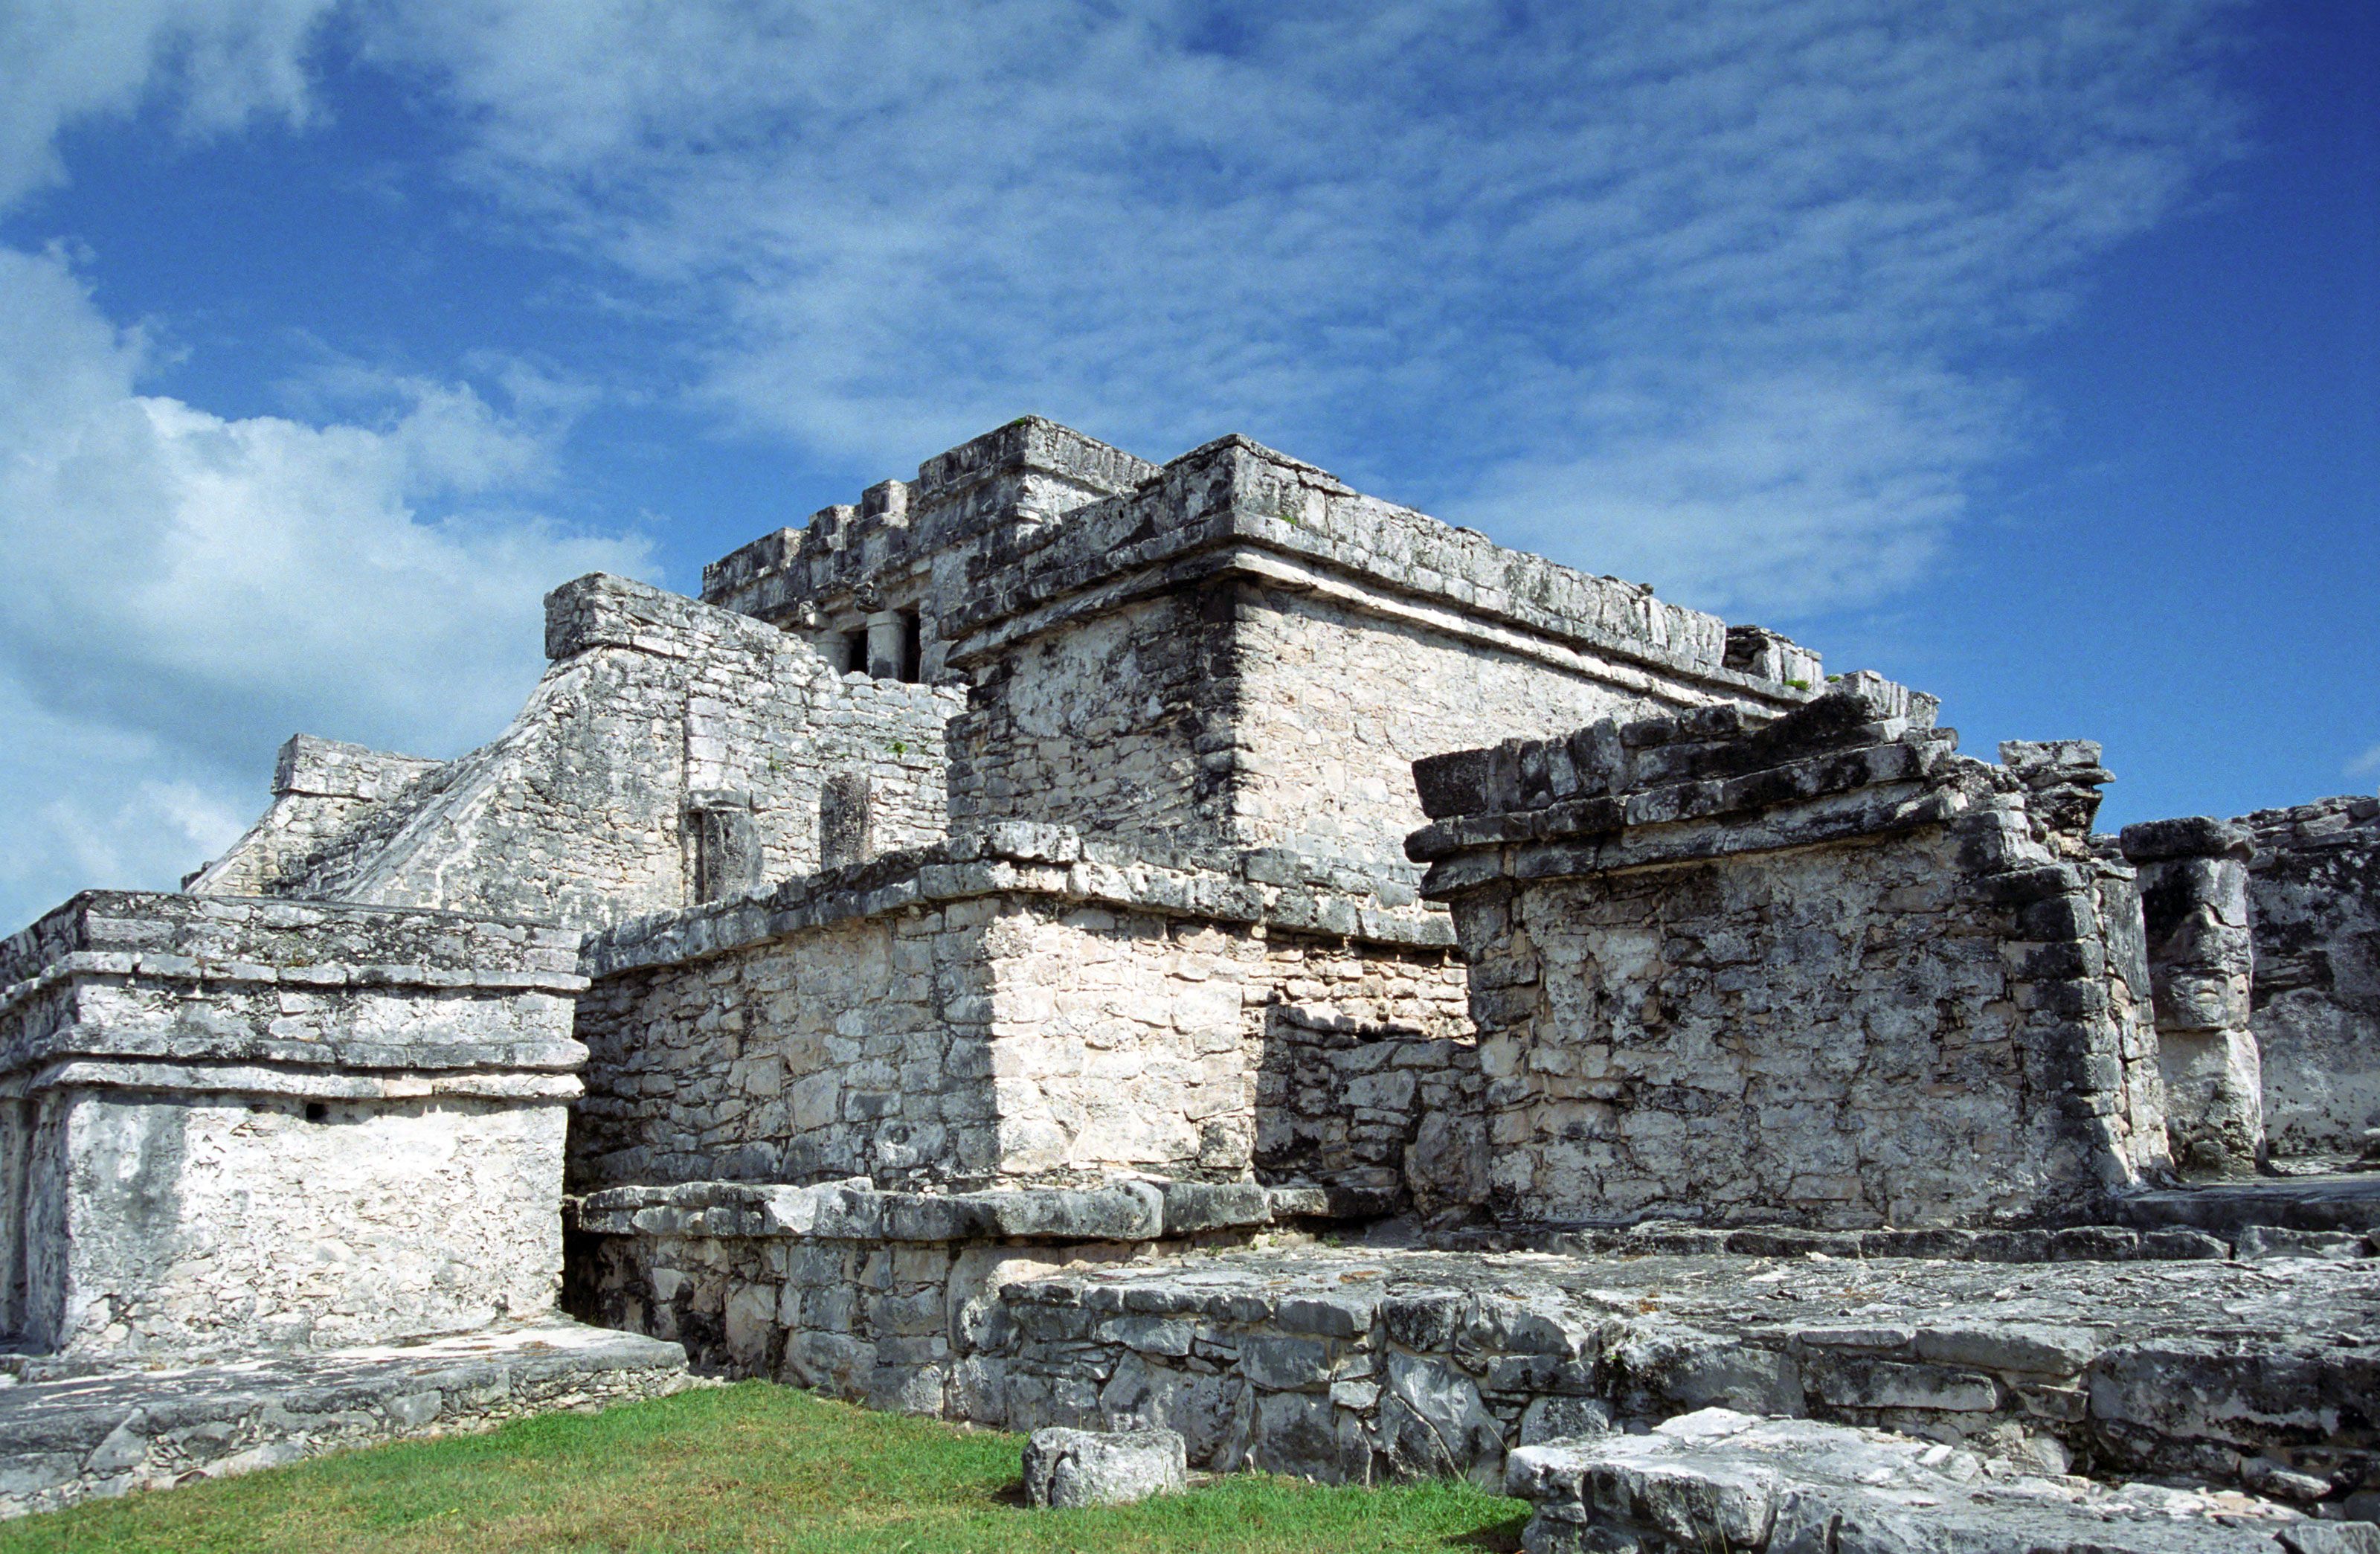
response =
{"points": [[752, 1466]]}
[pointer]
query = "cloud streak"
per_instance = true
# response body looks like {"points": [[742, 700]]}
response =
{"points": [[221, 63], [1713, 292]]}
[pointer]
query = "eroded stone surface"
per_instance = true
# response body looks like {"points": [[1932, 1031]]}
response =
{"points": [[1817, 967], [2314, 892], [1719, 1480], [113, 1432], [1355, 1365], [1066, 1467]]}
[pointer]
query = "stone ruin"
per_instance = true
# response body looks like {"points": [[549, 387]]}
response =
{"points": [[1074, 941]]}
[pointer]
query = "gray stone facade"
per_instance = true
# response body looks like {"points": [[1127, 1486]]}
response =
{"points": [[2313, 891], [964, 960], [2193, 886], [658, 715], [1816, 970], [1023, 1007], [232, 1124]]}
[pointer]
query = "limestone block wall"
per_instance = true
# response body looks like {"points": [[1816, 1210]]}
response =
{"points": [[1112, 726], [579, 811], [888, 1299], [1337, 698], [1240, 653], [1815, 969], [233, 1124], [2193, 887], [1014, 1007], [2313, 890]]}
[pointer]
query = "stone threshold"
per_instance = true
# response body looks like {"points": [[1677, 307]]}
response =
{"points": [[1717, 1479], [65, 1439]]}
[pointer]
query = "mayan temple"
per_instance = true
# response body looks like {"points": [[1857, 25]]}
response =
{"points": [[1069, 941]]}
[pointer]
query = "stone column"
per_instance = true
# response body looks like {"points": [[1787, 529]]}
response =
{"points": [[2193, 883], [888, 645]]}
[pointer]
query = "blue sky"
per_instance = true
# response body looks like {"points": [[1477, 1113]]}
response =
{"points": [[2028, 353]]}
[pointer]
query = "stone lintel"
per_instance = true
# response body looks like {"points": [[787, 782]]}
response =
{"points": [[1014, 858]]}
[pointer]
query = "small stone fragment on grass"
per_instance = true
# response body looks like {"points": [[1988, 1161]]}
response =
{"points": [[1066, 1467]]}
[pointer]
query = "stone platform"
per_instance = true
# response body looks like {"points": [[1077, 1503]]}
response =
{"points": [[1354, 1365], [75, 1437]]}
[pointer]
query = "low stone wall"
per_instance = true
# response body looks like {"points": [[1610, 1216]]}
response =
{"points": [[1017, 1007], [2313, 892], [2193, 886], [1816, 970], [95, 1437], [883, 1298], [229, 1123], [1356, 1366]]}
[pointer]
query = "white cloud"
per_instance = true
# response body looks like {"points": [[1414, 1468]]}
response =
{"points": [[2366, 764], [184, 590], [222, 62], [1709, 291]]}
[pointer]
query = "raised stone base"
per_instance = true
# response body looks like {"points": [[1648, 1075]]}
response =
{"points": [[1359, 1364], [113, 1432]]}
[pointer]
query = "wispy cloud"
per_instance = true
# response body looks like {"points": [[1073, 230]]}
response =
{"points": [[220, 62], [1712, 292], [182, 589], [2365, 765]]}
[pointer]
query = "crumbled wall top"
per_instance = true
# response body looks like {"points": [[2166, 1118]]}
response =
{"points": [[1101, 527], [1726, 761], [229, 951]]}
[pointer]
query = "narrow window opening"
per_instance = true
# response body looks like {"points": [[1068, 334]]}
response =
{"points": [[913, 647], [854, 651]]}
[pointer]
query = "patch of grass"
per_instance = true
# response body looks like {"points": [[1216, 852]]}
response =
{"points": [[752, 1466]]}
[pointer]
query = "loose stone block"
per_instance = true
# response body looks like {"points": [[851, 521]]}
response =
{"points": [[1066, 1468]]}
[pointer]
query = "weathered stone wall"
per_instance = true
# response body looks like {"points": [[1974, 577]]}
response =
{"points": [[2194, 889], [321, 790], [878, 1297], [1004, 1008], [1816, 970], [238, 1124], [655, 707], [1021, 1309], [2314, 892], [1338, 697], [1242, 654], [1111, 726], [907, 545]]}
